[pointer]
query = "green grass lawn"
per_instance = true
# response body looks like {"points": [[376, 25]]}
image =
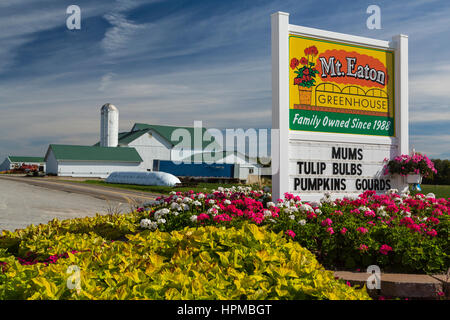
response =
{"points": [[441, 191], [200, 187]]}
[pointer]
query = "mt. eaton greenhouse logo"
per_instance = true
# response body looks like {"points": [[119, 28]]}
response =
{"points": [[340, 66]]}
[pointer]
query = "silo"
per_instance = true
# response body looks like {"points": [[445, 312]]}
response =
{"points": [[109, 126]]}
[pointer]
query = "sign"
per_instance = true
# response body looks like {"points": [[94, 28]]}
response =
{"points": [[339, 87], [339, 108]]}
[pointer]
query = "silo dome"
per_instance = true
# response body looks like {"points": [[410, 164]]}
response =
{"points": [[109, 126]]}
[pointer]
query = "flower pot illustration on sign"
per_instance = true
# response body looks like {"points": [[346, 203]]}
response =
{"points": [[306, 72]]}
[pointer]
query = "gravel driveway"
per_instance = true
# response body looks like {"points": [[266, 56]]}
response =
{"points": [[22, 204]]}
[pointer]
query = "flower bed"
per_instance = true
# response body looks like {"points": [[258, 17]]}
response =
{"points": [[399, 233], [193, 263]]}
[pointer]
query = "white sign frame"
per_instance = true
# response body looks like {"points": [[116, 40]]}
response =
{"points": [[281, 137]]}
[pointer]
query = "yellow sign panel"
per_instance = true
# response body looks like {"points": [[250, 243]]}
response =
{"points": [[341, 81]]}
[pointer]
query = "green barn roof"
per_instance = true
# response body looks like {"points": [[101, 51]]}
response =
{"points": [[167, 131], [26, 159], [87, 153], [140, 129]]}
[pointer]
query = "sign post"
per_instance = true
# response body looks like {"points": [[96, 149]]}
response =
{"points": [[339, 109]]}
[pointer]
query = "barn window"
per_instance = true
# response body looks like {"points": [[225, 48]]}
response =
{"points": [[250, 170]]}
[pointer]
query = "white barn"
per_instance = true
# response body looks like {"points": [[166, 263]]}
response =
{"points": [[87, 161], [154, 142]]}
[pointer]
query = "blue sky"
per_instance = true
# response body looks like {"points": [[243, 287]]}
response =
{"points": [[173, 62]]}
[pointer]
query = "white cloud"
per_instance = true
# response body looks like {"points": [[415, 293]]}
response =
{"points": [[427, 144]]}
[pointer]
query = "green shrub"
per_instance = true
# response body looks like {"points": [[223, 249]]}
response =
{"points": [[194, 263]]}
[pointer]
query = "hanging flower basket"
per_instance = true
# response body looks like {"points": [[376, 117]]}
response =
{"points": [[413, 167]]}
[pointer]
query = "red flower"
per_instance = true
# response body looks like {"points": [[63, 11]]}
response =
{"points": [[303, 61], [308, 51], [306, 71], [385, 249], [294, 63], [296, 81], [313, 50]]}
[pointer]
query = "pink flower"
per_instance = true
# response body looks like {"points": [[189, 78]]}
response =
{"points": [[363, 247], [202, 216], [343, 230], [369, 213], [290, 233], [327, 222], [330, 230], [432, 233], [362, 230], [385, 249]]}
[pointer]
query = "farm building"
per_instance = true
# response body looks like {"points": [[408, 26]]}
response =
{"points": [[87, 161], [156, 142], [225, 164], [15, 162], [141, 149]]}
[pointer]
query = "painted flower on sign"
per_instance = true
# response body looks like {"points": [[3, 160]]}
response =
{"points": [[306, 72]]}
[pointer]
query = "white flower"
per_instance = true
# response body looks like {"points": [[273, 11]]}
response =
{"points": [[227, 202], [392, 191], [161, 220], [197, 203], [318, 211], [194, 218], [187, 200], [405, 213], [292, 217], [212, 211], [430, 195], [306, 208], [201, 196], [172, 192], [270, 205], [267, 213], [174, 206], [211, 201], [185, 207], [148, 224], [302, 222], [145, 223], [161, 212]]}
